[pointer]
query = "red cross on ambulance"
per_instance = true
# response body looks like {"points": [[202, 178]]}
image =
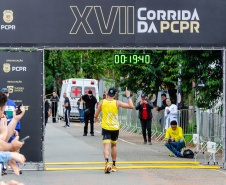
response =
{"points": [[76, 92]]}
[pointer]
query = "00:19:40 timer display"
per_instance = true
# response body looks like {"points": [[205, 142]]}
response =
{"points": [[132, 59]]}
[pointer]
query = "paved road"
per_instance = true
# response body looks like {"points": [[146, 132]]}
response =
{"points": [[68, 145]]}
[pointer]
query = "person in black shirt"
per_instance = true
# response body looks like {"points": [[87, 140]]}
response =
{"points": [[47, 108], [67, 110], [54, 99], [89, 111], [163, 96], [145, 115]]}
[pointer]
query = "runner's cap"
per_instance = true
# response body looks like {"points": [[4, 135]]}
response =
{"points": [[112, 91]]}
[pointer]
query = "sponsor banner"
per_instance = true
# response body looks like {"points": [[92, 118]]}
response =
{"points": [[113, 23], [22, 74]]}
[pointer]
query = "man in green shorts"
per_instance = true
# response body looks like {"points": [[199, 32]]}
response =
{"points": [[110, 125]]}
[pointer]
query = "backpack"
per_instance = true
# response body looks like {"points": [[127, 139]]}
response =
{"points": [[188, 154]]}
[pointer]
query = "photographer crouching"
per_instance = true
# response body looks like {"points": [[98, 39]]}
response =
{"points": [[174, 139]]}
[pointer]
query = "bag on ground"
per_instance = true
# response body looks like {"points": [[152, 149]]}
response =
{"points": [[188, 154]]}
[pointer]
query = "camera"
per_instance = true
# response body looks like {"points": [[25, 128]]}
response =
{"points": [[169, 140]]}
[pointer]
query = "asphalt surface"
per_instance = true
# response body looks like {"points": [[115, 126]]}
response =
{"points": [[68, 145]]}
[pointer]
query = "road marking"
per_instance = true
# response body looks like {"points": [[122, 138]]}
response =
{"points": [[127, 162], [134, 167]]}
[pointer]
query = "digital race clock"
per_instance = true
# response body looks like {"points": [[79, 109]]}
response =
{"points": [[132, 59]]}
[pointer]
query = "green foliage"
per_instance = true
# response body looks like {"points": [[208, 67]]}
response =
{"points": [[198, 66], [202, 67], [49, 84], [148, 78]]}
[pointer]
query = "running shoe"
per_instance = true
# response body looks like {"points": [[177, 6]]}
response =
{"points": [[179, 154], [114, 169], [107, 168]]}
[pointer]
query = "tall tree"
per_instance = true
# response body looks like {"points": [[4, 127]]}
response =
{"points": [[204, 68]]}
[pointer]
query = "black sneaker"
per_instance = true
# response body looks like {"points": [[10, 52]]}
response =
{"points": [[84, 134], [92, 134], [145, 142]]}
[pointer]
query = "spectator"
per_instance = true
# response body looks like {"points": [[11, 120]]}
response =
{"points": [[6, 132], [67, 110], [163, 96], [10, 158], [174, 139], [54, 99], [89, 112], [170, 113], [110, 125], [145, 115], [81, 106], [47, 110], [10, 107]]}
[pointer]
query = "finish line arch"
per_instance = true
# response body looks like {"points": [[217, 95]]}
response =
{"points": [[138, 24]]}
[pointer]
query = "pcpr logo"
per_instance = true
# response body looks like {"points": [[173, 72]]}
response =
{"points": [[19, 68], [6, 67], [8, 18]]}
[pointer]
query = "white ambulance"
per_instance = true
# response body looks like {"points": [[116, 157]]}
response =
{"points": [[74, 87]]}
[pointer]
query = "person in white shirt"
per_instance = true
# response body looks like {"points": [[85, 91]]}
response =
{"points": [[170, 113]]}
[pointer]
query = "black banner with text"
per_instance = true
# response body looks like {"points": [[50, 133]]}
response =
{"points": [[113, 23], [22, 74]]}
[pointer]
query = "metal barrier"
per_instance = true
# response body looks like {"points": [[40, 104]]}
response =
{"points": [[158, 131], [209, 128]]}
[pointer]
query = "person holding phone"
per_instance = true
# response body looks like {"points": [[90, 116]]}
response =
{"points": [[7, 132], [10, 107], [145, 115], [89, 112]]}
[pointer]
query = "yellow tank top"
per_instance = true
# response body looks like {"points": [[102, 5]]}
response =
{"points": [[110, 115]]}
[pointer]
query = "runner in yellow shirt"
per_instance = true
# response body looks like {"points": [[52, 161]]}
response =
{"points": [[110, 125]]}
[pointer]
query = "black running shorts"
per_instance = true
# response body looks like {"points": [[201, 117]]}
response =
{"points": [[110, 136]]}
